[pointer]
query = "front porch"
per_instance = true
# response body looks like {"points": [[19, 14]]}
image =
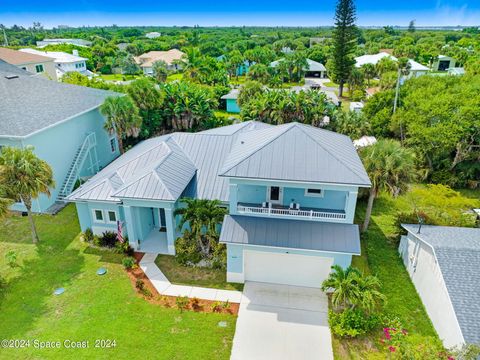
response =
{"points": [[155, 242]]}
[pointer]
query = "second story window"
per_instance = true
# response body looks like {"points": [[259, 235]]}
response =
{"points": [[314, 192], [39, 68], [113, 145]]}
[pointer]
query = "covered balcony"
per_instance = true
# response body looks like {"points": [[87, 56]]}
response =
{"points": [[294, 202]]}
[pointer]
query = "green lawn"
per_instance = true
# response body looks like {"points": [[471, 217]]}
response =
{"points": [[92, 307], [183, 275], [173, 77], [380, 257], [118, 77]]}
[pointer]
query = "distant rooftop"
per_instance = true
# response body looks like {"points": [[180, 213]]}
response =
{"points": [[29, 103], [147, 59], [58, 56], [16, 57]]}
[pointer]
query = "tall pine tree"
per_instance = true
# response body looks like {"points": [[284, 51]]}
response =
{"points": [[344, 36]]}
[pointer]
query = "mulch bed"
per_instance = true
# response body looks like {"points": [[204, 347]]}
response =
{"points": [[151, 294]]}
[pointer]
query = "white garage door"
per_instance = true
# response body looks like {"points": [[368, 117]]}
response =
{"points": [[290, 269]]}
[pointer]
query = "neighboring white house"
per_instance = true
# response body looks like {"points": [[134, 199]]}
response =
{"points": [[443, 63], [153, 35], [356, 106], [443, 264], [416, 69], [145, 61], [64, 62], [78, 42]]}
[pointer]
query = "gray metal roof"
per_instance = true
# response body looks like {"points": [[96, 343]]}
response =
{"points": [[311, 65], [457, 251], [296, 152], [232, 95], [29, 103], [293, 234], [142, 172]]}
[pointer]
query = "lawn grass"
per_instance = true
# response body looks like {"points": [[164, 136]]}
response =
{"points": [[183, 275], [118, 77], [174, 77], [380, 257], [92, 307]]}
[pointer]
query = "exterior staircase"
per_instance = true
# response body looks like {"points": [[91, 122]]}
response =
{"points": [[78, 161]]}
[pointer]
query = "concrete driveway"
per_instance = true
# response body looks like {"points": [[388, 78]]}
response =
{"points": [[282, 322]]}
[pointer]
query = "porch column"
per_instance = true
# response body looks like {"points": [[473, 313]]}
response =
{"points": [[171, 230], [350, 205], [233, 188], [132, 239]]}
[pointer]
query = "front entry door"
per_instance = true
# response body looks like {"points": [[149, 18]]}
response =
{"points": [[275, 194], [161, 217]]}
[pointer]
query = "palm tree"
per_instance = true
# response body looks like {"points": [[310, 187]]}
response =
{"points": [[390, 167], [192, 63], [5, 203], [344, 285], [403, 70], [353, 289], [23, 177], [160, 71], [122, 118], [203, 217], [369, 72]]}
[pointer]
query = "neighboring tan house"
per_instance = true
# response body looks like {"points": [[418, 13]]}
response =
{"points": [[416, 69], [291, 191], [33, 63], [443, 63], [145, 61], [64, 62], [313, 69], [61, 121], [443, 264], [77, 42]]}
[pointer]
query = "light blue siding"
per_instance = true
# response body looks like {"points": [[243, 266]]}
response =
{"points": [[57, 146], [235, 255], [232, 106]]}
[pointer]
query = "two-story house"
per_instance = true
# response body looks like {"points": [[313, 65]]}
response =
{"points": [[63, 124], [64, 62], [33, 63], [291, 191]]}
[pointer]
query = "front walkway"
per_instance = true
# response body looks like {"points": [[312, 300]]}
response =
{"points": [[282, 322], [164, 287]]}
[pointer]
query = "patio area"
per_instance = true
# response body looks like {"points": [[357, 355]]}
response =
{"points": [[155, 242]]}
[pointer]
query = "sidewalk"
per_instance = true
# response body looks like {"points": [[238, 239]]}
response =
{"points": [[164, 287]]}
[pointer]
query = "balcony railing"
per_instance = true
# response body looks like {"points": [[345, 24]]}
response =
{"points": [[307, 213]]}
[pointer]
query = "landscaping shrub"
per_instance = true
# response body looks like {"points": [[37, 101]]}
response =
{"points": [[352, 322], [195, 303], [216, 306], [88, 235], [11, 258], [219, 256], [402, 345], [186, 250], [140, 284], [108, 239], [182, 302], [125, 248], [128, 262]]}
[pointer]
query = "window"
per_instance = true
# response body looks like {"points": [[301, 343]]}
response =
{"points": [[314, 192], [39, 68], [112, 216], [113, 145], [98, 215]]}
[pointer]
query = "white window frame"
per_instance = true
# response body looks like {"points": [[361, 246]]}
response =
{"points": [[108, 216], [307, 194], [95, 216]]}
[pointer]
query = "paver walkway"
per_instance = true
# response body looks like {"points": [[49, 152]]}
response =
{"points": [[165, 287]]}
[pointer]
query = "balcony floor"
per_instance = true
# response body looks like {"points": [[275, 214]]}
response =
{"points": [[283, 207]]}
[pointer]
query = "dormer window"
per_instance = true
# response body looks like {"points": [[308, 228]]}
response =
{"points": [[314, 192]]}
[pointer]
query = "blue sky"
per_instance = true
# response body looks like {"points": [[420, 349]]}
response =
{"points": [[227, 12]]}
